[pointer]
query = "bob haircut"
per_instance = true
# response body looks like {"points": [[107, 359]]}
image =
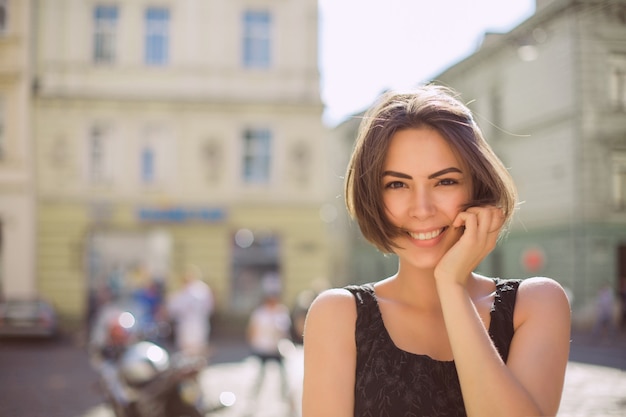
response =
{"points": [[432, 106]]}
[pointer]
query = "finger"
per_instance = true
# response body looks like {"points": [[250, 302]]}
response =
{"points": [[486, 232], [490, 217], [461, 219], [476, 237], [469, 222], [493, 221], [497, 220], [481, 220]]}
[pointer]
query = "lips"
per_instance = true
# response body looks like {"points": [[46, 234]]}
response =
{"points": [[423, 236]]}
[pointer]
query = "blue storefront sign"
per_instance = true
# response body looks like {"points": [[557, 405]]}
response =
{"points": [[181, 214]]}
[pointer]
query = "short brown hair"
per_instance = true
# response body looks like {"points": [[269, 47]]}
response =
{"points": [[437, 107]]}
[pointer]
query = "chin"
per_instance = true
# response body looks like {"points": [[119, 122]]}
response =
{"points": [[419, 261]]}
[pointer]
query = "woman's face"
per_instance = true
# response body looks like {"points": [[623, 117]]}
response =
{"points": [[425, 186]]}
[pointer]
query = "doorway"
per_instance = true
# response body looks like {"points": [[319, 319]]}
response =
{"points": [[255, 266]]}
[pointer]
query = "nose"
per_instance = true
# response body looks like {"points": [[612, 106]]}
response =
{"points": [[422, 204]]}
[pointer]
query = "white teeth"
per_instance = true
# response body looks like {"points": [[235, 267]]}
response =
{"points": [[427, 235]]}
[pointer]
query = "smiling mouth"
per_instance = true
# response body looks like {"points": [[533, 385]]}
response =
{"points": [[427, 235]]}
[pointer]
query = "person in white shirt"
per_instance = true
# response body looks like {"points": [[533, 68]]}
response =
{"points": [[191, 308], [269, 324]]}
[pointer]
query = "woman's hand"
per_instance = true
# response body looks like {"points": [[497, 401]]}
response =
{"points": [[479, 228]]}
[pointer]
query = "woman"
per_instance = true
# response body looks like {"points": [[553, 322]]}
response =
{"points": [[435, 339]]}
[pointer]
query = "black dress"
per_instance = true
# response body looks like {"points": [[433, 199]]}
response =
{"points": [[395, 383]]}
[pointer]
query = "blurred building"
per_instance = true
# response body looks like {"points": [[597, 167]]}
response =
{"points": [[17, 200], [550, 96], [165, 133]]}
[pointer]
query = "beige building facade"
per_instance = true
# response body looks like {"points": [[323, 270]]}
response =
{"points": [[171, 133], [17, 199]]}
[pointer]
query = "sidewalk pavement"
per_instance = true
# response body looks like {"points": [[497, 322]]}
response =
{"points": [[590, 390], [593, 391], [595, 381], [603, 351]]}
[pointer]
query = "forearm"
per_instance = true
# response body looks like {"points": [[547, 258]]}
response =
{"points": [[489, 388]]}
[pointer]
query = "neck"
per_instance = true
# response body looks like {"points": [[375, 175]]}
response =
{"points": [[411, 286], [417, 287]]}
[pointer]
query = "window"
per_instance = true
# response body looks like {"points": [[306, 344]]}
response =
{"points": [[157, 36], [617, 81], [212, 159], [619, 180], [3, 144], [98, 155], [147, 164], [4, 9], [300, 162], [256, 156], [256, 39], [156, 157], [105, 25], [495, 100]]}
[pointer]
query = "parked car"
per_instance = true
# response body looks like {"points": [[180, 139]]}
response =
{"points": [[26, 317]]}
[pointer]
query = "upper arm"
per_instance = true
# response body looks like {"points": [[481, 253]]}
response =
{"points": [[330, 355], [540, 346]]}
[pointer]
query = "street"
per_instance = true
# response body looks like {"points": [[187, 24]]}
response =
{"points": [[54, 379], [45, 379]]}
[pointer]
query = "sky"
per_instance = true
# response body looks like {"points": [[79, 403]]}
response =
{"points": [[367, 46]]}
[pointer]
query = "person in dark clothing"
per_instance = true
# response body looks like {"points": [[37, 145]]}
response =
{"points": [[436, 338], [622, 304]]}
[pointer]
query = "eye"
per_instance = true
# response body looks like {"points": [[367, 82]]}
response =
{"points": [[448, 181], [394, 184]]}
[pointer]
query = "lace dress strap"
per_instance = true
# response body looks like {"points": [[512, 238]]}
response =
{"points": [[369, 320], [501, 328]]}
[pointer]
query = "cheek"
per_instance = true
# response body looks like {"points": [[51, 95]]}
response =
{"points": [[454, 236], [393, 217], [454, 205], [393, 206], [461, 199]]}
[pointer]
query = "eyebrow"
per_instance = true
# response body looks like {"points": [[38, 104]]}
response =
{"points": [[430, 177]]}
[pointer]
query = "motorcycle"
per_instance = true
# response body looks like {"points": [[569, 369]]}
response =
{"points": [[139, 378]]}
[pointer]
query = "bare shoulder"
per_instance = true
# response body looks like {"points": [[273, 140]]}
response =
{"points": [[542, 288], [333, 312], [541, 295], [333, 304], [330, 355]]}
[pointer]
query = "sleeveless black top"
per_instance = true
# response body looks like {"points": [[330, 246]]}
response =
{"points": [[395, 383]]}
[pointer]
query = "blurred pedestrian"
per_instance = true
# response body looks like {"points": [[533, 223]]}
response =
{"points": [[148, 298], [268, 327], [622, 295], [605, 325], [112, 325], [190, 309], [303, 302], [113, 332]]}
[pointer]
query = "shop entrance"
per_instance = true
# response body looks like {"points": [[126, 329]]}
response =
{"points": [[255, 266], [122, 261]]}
